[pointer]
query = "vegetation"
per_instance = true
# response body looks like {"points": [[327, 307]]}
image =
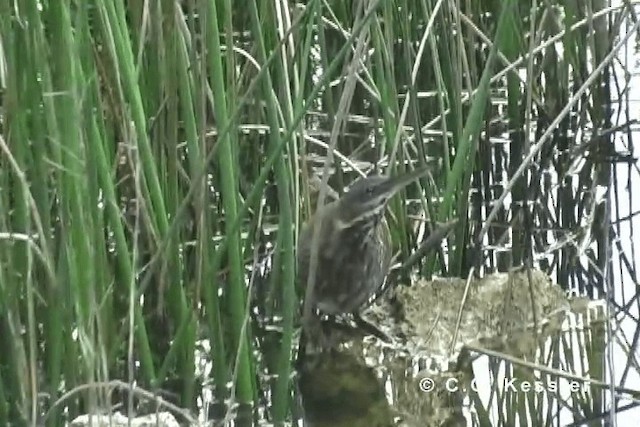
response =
{"points": [[157, 159]]}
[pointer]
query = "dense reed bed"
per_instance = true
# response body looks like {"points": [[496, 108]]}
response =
{"points": [[158, 158]]}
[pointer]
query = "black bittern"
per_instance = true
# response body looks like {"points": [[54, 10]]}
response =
{"points": [[354, 245]]}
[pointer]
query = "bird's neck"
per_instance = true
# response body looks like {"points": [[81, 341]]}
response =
{"points": [[357, 230], [346, 218]]}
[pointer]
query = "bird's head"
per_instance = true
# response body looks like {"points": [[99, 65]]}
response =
{"points": [[368, 197]]}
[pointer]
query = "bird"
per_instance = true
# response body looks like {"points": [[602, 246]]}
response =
{"points": [[354, 251]]}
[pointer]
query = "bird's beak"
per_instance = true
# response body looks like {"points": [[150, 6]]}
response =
{"points": [[396, 183]]}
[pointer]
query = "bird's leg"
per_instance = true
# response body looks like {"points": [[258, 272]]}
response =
{"points": [[370, 328], [317, 335]]}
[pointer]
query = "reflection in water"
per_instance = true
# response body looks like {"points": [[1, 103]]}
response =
{"points": [[339, 390]]}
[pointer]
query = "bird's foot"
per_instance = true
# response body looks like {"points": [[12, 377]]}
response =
{"points": [[370, 328]]}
